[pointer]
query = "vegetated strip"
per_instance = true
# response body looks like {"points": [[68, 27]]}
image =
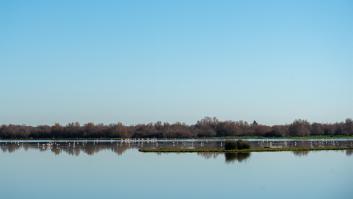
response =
{"points": [[220, 150], [204, 128]]}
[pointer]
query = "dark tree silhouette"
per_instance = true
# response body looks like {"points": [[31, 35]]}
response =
{"points": [[299, 128], [206, 127]]}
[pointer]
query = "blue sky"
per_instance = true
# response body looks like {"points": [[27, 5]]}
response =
{"points": [[142, 61]]}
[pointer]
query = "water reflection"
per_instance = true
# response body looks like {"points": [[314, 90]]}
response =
{"points": [[73, 148], [91, 148], [301, 153], [236, 157], [229, 157], [76, 148], [209, 155]]}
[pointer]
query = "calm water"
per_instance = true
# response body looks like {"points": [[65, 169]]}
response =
{"points": [[118, 170]]}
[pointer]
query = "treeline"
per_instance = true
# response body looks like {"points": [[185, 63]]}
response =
{"points": [[207, 127]]}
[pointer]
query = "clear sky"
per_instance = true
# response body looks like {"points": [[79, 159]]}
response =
{"points": [[141, 61]]}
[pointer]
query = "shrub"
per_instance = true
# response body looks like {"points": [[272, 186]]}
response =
{"points": [[243, 144], [230, 145], [239, 144]]}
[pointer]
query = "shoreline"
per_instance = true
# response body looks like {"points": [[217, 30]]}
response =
{"points": [[220, 150]]}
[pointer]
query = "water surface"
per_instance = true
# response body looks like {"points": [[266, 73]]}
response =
{"points": [[108, 169]]}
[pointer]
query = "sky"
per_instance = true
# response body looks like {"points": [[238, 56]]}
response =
{"points": [[145, 61]]}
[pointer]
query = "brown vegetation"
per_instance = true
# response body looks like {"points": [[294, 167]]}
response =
{"points": [[207, 127]]}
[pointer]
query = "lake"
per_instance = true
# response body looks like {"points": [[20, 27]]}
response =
{"points": [[116, 169]]}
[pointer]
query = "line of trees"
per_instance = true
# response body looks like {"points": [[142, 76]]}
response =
{"points": [[206, 127]]}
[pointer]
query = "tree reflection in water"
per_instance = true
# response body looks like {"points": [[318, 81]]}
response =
{"points": [[208, 155], [76, 148], [301, 153], [236, 157], [71, 148], [349, 152], [91, 148], [229, 157]]}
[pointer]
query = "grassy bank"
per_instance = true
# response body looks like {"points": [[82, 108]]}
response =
{"points": [[221, 150], [290, 137]]}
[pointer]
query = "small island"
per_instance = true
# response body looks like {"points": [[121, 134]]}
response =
{"points": [[241, 146]]}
